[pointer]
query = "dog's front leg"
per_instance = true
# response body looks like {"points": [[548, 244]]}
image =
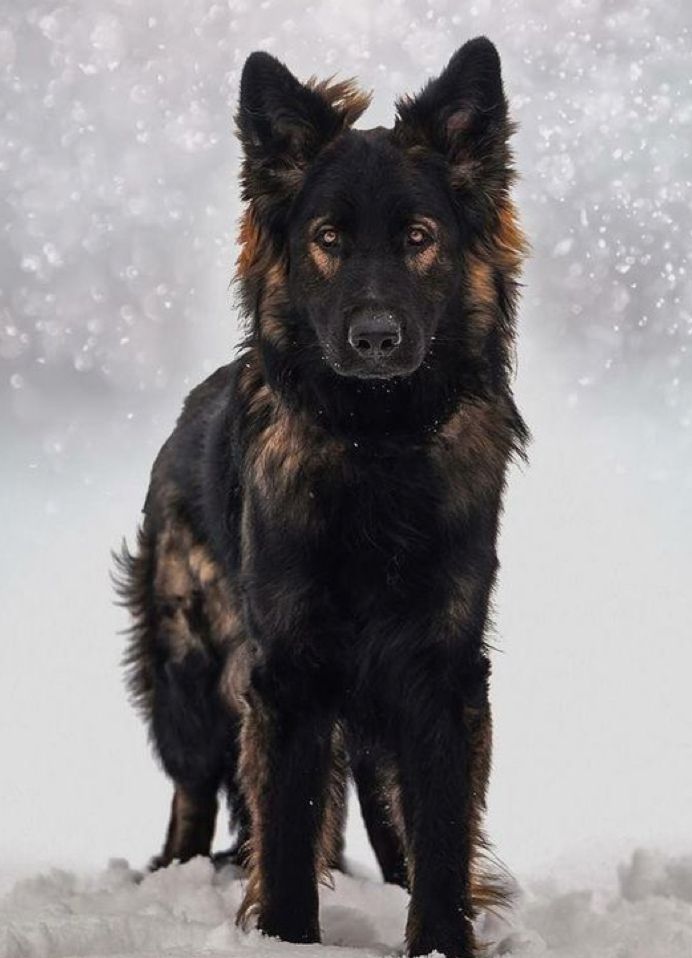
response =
{"points": [[286, 756], [444, 755]]}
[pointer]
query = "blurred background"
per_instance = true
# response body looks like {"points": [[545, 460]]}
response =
{"points": [[119, 213]]}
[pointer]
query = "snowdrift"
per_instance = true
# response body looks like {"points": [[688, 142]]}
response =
{"points": [[187, 910]]}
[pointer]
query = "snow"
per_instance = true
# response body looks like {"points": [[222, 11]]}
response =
{"points": [[189, 908]]}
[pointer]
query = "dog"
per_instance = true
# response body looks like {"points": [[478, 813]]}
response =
{"points": [[311, 585]]}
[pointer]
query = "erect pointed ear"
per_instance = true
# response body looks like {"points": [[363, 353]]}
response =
{"points": [[283, 124], [462, 115]]}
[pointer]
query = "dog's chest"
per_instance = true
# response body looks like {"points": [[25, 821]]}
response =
{"points": [[390, 506], [370, 520], [384, 524]]}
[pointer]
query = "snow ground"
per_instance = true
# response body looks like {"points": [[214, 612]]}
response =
{"points": [[188, 909]]}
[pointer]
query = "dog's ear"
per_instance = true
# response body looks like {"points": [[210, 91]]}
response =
{"points": [[280, 118], [461, 115], [283, 124]]}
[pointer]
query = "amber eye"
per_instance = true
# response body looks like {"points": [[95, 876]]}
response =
{"points": [[328, 237], [416, 235]]}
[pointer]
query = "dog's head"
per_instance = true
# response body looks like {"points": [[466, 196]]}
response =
{"points": [[359, 246]]}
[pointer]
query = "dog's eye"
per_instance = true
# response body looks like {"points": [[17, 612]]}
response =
{"points": [[416, 235], [328, 237]]}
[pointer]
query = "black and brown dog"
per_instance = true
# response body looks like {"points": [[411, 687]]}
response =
{"points": [[311, 585]]}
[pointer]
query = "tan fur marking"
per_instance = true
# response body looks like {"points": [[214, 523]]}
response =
{"points": [[257, 263], [191, 826], [420, 262], [510, 242], [330, 846], [463, 600], [344, 96], [253, 388], [254, 776], [480, 280], [495, 260], [185, 812], [287, 456], [260, 401], [481, 297], [287, 450], [253, 245], [280, 454], [472, 450], [235, 681], [172, 581], [184, 568], [173, 588], [477, 431], [326, 264], [489, 882], [273, 304]]}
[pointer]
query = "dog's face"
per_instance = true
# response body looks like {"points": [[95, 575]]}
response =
{"points": [[373, 243], [366, 230]]}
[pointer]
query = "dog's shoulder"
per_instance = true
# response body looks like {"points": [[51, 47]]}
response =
{"points": [[198, 450], [205, 397]]}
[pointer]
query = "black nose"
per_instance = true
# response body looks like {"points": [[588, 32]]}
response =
{"points": [[374, 335]]}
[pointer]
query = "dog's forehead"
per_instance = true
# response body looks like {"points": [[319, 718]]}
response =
{"points": [[367, 174], [375, 134], [366, 149], [363, 162]]}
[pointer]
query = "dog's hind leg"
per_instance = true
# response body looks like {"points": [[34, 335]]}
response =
{"points": [[239, 816], [190, 732], [332, 845], [380, 806], [190, 828], [182, 620]]}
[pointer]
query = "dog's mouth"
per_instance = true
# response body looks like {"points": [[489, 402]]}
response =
{"points": [[355, 367], [374, 370]]}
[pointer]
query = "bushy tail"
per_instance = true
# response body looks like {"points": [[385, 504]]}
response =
{"points": [[132, 578]]}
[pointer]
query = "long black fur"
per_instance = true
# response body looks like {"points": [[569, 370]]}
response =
{"points": [[313, 577]]}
